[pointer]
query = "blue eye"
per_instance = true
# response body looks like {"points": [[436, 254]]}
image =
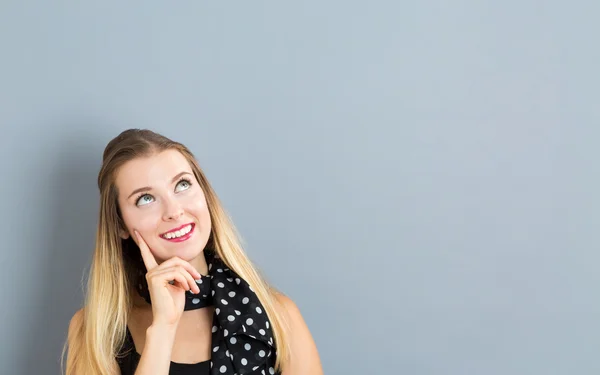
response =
{"points": [[184, 184], [144, 199]]}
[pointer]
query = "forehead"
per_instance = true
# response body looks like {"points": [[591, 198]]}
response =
{"points": [[153, 170]]}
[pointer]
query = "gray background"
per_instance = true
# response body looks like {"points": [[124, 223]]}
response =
{"points": [[420, 177]]}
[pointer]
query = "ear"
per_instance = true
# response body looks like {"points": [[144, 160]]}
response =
{"points": [[123, 234]]}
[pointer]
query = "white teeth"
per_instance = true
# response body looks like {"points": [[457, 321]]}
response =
{"points": [[178, 233]]}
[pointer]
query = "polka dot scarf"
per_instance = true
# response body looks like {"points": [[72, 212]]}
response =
{"points": [[242, 336]]}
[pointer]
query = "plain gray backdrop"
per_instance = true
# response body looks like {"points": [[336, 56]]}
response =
{"points": [[420, 177]]}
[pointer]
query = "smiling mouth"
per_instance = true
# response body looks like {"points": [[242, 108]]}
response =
{"points": [[179, 233]]}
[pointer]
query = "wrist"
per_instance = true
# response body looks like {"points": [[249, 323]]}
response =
{"points": [[161, 329]]}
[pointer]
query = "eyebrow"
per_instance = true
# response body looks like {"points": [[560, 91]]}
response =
{"points": [[147, 188]]}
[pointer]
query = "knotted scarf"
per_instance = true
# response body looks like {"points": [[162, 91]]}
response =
{"points": [[242, 336]]}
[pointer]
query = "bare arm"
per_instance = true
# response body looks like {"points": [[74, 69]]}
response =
{"points": [[156, 355], [304, 359], [168, 302]]}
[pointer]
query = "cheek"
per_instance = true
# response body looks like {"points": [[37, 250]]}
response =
{"points": [[141, 219], [198, 204]]}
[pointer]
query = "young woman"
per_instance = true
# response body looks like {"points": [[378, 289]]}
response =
{"points": [[170, 289]]}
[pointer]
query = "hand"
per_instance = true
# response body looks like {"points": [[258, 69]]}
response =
{"points": [[168, 300]]}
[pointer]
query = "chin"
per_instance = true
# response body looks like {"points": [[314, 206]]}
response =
{"points": [[190, 255], [187, 252]]}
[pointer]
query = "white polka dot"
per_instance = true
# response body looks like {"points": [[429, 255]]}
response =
{"points": [[262, 353], [213, 293], [224, 302], [267, 324], [214, 329], [245, 300], [230, 279], [221, 285], [237, 281], [271, 370], [263, 372], [237, 312], [254, 368], [244, 361], [225, 332], [217, 310], [215, 349], [223, 369], [233, 340], [232, 294], [231, 318], [258, 310], [210, 266], [249, 321], [262, 331], [227, 353], [219, 270], [195, 301], [247, 347]]}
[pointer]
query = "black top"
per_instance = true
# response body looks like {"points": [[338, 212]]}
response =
{"points": [[129, 359]]}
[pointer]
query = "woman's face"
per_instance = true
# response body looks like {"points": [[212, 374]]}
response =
{"points": [[161, 199]]}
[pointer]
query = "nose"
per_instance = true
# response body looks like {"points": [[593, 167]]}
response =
{"points": [[173, 210]]}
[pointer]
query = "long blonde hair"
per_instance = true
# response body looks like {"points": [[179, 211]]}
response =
{"points": [[96, 339]]}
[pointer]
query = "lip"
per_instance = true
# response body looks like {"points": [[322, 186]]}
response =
{"points": [[182, 238]]}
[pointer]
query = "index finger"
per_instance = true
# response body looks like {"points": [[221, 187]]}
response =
{"points": [[147, 256]]}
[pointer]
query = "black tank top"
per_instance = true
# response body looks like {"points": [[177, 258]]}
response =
{"points": [[129, 358]]}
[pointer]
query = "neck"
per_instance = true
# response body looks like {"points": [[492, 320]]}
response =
{"points": [[199, 264]]}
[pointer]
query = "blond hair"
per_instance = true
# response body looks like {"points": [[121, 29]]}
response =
{"points": [[98, 334]]}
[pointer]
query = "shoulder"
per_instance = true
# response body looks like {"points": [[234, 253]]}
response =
{"points": [[73, 346], [287, 306], [304, 357], [76, 344], [290, 312], [76, 323]]}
